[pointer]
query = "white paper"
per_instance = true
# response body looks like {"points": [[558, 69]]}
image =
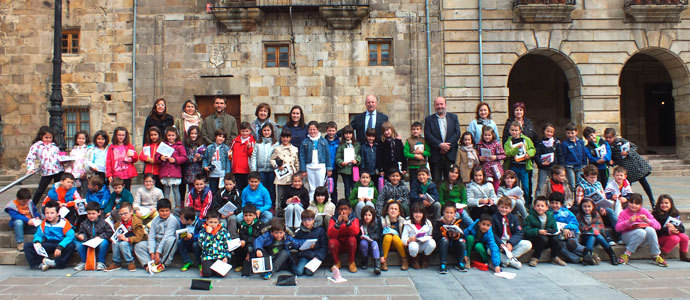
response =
{"points": [[262, 264], [182, 233], [220, 267], [40, 250], [521, 151], [120, 230], [80, 205], [227, 209], [365, 192], [63, 211], [506, 275], [453, 228], [423, 239], [625, 147], [146, 150], [348, 154], [94, 242], [165, 150], [109, 221], [144, 211], [419, 147], [486, 152], [280, 174], [313, 265], [460, 206], [514, 192], [508, 253], [547, 158], [234, 244], [307, 244], [428, 197], [601, 151], [676, 222], [36, 222], [366, 237]]}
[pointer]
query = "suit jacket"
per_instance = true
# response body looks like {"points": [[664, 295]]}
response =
{"points": [[432, 135], [358, 123]]}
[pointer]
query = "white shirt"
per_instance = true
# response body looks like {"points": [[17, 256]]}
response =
{"points": [[442, 126]]}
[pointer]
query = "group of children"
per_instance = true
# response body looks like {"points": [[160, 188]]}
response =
{"points": [[235, 190]]}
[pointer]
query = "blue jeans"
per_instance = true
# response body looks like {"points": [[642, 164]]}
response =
{"points": [[266, 217], [183, 247], [334, 195], [465, 217], [34, 259], [523, 177], [573, 173], [591, 239], [122, 249], [267, 181], [20, 228], [101, 250], [456, 246], [348, 183], [300, 270]]}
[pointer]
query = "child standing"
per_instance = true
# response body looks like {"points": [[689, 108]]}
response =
{"points": [[295, 201], [450, 240], [345, 168], [369, 150], [595, 157], [56, 236], [257, 194], [519, 151], [425, 192], [171, 168], [417, 236], [136, 233], [357, 202], [24, 217], [97, 156], [147, 197], [672, 231], [416, 150], [216, 161], [480, 238], [333, 144], [213, 241], [323, 208], [151, 164], [592, 228], [284, 156], [190, 241], [392, 223], [467, 157], [47, 154], [318, 251], [481, 198], [370, 238], [549, 144], [638, 168], [241, 150], [277, 245], [637, 225], [540, 227], [195, 155], [80, 153], [394, 188], [574, 155], [93, 226], [342, 234], [121, 158], [508, 234], [390, 153], [510, 189], [261, 159], [314, 158], [200, 197], [161, 244], [492, 164]]}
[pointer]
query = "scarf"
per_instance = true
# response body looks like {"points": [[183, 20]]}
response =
{"points": [[190, 120], [472, 158], [557, 187], [548, 143], [391, 143]]}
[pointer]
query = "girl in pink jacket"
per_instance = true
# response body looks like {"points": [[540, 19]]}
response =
{"points": [[120, 159], [170, 168], [637, 225]]}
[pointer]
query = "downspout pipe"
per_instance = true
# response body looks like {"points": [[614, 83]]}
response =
{"points": [[134, 74], [428, 58], [481, 54]]}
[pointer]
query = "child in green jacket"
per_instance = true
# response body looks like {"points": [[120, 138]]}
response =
{"points": [[356, 202], [519, 151], [540, 229], [344, 167]]}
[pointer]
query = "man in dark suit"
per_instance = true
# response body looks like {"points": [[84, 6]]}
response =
{"points": [[368, 119], [441, 132]]}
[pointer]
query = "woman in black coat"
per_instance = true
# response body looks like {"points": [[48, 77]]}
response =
{"points": [[159, 117]]}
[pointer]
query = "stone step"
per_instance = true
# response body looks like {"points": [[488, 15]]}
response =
{"points": [[673, 173], [651, 157], [679, 167]]}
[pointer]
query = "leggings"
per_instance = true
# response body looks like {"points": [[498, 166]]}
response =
{"points": [[175, 197], [647, 189], [668, 242], [473, 245], [365, 246], [390, 239], [43, 185]]}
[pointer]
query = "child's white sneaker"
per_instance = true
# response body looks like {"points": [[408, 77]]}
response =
{"points": [[49, 262], [80, 266], [514, 263], [100, 266]]}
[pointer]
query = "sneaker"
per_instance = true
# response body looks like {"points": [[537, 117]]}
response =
{"points": [[514, 263], [20, 247], [112, 267], [623, 259], [533, 262], [44, 267], [558, 261], [443, 269], [80, 266], [460, 267], [186, 266], [267, 276], [660, 261], [160, 268], [238, 269], [100, 266], [131, 266], [587, 259], [612, 243], [49, 262]]}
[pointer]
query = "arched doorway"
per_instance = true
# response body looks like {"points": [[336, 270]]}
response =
{"points": [[653, 83], [549, 84]]}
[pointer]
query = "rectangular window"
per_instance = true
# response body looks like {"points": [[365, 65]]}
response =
{"points": [[380, 53], [277, 55], [281, 119], [70, 41], [76, 118]]}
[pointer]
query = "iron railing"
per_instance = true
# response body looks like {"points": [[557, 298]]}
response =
{"points": [[655, 2], [286, 3], [18, 181], [526, 2]]}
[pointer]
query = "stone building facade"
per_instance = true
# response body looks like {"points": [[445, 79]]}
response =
{"points": [[600, 63]]}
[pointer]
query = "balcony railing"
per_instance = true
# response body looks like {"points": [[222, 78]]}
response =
{"points": [[654, 11], [285, 3], [528, 2], [543, 11], [655, 2]]}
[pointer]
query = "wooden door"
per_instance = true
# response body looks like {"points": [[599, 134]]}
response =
{"points": [[232, 105]]}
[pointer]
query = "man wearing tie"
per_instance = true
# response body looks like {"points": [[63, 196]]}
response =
{"points": [[442, 132], [368, 119]]}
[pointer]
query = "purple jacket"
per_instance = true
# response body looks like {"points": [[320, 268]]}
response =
{"points": [[173, 170]]}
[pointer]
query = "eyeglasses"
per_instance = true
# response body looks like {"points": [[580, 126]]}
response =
{"points": [[160, 104]]}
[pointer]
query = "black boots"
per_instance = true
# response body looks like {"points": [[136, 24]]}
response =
{"points": [[377, 266], [612, 256]]}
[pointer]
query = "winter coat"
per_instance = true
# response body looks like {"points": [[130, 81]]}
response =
{"points": [[637, 166], [136, 232], [441, 232], [197, 227], [289, 157], [305, 154], [61, 232], [101, 197], [496, 149], [261, 157], [47, 156], [57, 193], [340, 155], [173, 170], [249, 232], [329, 208], [160, 230], [223, 150], [241, 154], [302, 193], [511, 152], [662, 217], [166, 121], [386, 222], [257, 125], [410, 230], [488, 239], [214, 245], [564, 215], [389, 154], [299, 134], [333, 149], [117, 164], [532, 225], [12, 209], [259, 197], [613, 189], [455, 193], [96, 228], [374, 230], [368, 155], [227, 123], [147, 198], [266, 239], [152, 168], [592, 154], [417, 188], [200, 201], [338, 230], [224, 196], [624, 225], [321, 248], [399, 192], [574, 153], [355, 190], [514, 228], [475, 192], [547, 188], [463, 162], [596, 224], [191, 168], [80, 155], [542, 149]]}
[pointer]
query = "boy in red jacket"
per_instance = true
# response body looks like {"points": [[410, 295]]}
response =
{"points": [[201, 197], [241, 151], [342, 235]]}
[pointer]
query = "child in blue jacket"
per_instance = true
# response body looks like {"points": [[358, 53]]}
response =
{"points": [[119, 195], [574, 155], [216, 160], [56, 236], [277, 245], [97, 192], [189, 240], [480, 238], [255, 193], [305, 232], [571, 250], [24, 217], [314, 158], [594, 142]]}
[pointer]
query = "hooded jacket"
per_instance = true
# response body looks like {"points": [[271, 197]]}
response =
{"points": [[487, 239], [101, 197], [173, 170], [200, 201], [13, 210]]}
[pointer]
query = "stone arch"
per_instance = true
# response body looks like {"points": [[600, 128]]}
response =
{"points": [[680, 92], [569, 93]]}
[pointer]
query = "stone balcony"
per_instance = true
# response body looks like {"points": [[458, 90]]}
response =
{"points": [[654, 11], [240, 15], [542, 11]]}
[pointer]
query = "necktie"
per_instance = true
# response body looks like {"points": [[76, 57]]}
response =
{"points": [[370, 124]]}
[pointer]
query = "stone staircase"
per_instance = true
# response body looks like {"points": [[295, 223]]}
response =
{"points": [[668, 165]]}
